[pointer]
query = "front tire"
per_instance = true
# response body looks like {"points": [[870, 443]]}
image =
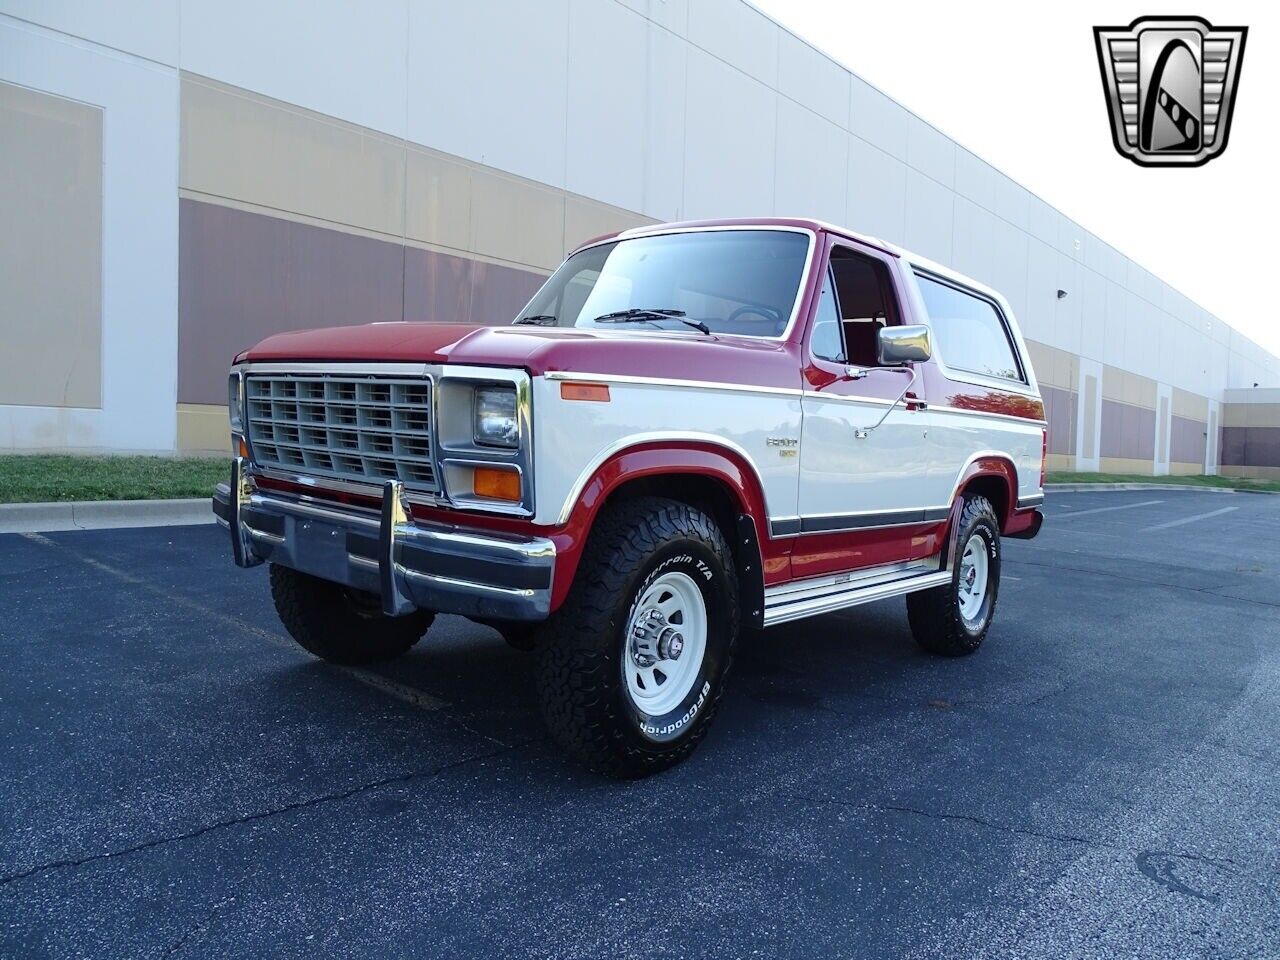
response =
{"points": [[952, 620], [339, 624], [631, 667]]}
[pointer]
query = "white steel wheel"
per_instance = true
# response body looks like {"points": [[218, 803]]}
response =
{"points": [[974, 578], [666, 642]]}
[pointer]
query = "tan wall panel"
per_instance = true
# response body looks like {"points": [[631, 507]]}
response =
{"points": [[1179, 469], [1061, 461], [1250, 473], [585, 219], [1068, 369], [50, 250], [1234, 415], [1262, 414], [1054, 367], [1128, 387], [1192, 406], [1042, 362], [438, 199], [203, 428], [1251, 414], [250, 148], [1125, 465], [515, 219], [246, 149], [1142, 392]]}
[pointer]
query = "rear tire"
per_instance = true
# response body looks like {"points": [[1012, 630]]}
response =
{"points": [[952, 620], [613, 691], [339, 624]]}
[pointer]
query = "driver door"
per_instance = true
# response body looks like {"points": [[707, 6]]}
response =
{"points": [[864, 490]]}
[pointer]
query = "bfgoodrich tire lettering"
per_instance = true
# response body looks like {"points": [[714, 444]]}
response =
{"points": [[585, 649], [946, 620]]}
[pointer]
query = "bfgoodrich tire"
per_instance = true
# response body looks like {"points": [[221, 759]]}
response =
{"points": [[631, 667], [339, 624], [952, 620]]}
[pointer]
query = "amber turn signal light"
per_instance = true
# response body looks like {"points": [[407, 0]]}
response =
{"points": [[598, 392], [496, 484], [244, 448]]}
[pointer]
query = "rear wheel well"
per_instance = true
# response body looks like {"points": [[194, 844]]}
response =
{"points": [[717, 500], [995, 489]]}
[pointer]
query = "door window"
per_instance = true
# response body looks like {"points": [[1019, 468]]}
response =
{"points": [[864, 303], [827, 341]]}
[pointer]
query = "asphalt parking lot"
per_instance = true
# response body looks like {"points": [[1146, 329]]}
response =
{"points": [[1102, 779]]}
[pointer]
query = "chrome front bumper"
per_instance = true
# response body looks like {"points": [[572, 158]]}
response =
{"points": [[408, 564]]}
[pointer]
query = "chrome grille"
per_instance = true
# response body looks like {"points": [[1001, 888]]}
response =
{"points": [[353, 428]]}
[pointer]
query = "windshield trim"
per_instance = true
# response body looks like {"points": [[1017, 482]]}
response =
{"points": [[658, 231]]}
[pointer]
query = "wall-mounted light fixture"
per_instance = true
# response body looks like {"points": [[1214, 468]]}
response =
{"points": [[1062, 294]]}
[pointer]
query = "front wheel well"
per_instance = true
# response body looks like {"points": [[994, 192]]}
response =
{"points": [[698, 490], [716, 499]]}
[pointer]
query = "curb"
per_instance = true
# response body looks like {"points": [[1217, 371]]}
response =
{"points": [[102, 515], [1088, 487]]}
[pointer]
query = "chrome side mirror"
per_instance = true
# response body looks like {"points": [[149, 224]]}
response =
{"points": [[900, 345]]}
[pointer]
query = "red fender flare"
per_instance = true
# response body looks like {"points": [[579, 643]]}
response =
{"points": [[656, 458], [1003, 469]]}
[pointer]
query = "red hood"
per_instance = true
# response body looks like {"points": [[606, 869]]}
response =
{"points": [[542, 349]]}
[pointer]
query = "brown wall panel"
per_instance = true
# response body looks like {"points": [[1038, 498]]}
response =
{"points": [[1127, 431], [243, 276], [1187, 440], [1250, 446], [437, 287], [246, 275], [1060, 412], [498, 293]]}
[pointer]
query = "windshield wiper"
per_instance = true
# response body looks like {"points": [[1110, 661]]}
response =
{"points": [[539, 320], [636, 315]]}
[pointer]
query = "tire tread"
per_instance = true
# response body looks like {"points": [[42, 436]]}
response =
{"points": [[577, 676]]}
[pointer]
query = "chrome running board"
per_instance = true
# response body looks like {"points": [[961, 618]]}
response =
{"points": [[809, 598]]}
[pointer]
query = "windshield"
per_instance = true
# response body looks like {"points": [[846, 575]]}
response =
{"points": [[719, 281]]}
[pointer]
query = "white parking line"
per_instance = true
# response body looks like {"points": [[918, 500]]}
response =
{"points": [[1198, 516], [1123, 506]]}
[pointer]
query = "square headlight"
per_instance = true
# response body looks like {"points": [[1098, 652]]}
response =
{"points": [[495, 423]]}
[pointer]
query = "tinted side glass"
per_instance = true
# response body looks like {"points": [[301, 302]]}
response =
{"points": [[971, 334], [827, 341]]}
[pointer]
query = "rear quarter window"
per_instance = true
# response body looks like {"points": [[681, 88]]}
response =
{"points": [[970, 331]]}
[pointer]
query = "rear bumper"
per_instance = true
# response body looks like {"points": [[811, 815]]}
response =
{"points": [[408, 564]]}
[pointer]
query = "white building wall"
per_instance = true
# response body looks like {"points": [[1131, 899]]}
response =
{"points": [[670, 108], [139, 303]]}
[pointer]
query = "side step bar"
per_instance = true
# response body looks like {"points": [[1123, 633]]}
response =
{"points": [[809, 598]]}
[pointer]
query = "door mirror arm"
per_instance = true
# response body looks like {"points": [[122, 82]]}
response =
{"points": [[862, 433]]}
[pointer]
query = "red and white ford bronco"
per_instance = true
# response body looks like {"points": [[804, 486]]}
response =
{"points": [[691, 429]]}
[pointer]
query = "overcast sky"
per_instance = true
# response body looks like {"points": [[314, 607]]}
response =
{"points": [[1018, 84]]}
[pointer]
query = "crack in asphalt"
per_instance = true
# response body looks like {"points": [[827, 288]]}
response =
{"points": [[865, 807], [198, 927], [324, 798]]}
